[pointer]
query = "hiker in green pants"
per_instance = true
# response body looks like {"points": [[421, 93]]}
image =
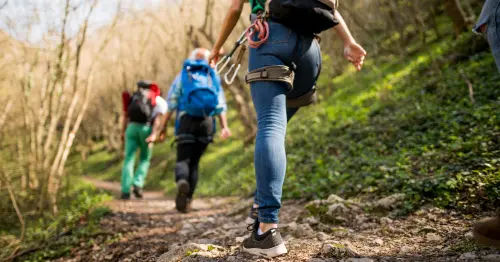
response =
{"points": [[144, 114]]}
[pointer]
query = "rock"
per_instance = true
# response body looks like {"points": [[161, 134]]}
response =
{"points": [[426, 229], [389, 202], [205, 241], [311, 221], [334, 199], [290, 228], [315, 259], [491, 257], [231, 259], [366, 226], [362, 259], [337, 209], [378, 242], [469, 235], [336, 249], [360, 219], [385, 221], [186, 229], [340, 231], [240, 239], [321, 236], [178, 252], [468, 256], [433, 237], [304, 231], [405, 250]]}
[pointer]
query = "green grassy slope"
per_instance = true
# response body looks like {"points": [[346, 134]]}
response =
{"points": [[404, 124]]}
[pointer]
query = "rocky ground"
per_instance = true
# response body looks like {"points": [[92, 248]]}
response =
{"points": [[340, 230]]}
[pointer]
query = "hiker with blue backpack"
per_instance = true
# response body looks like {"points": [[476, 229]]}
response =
{"points": [[284, 64], [197, 98]]}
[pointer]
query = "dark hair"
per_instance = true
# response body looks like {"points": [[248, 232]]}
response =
{"points": [[144, 84]]}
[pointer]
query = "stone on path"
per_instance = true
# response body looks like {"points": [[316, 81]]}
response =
{"points": [[469, 256], [337, 249], [433, 237], [178, 252], [491, 257]]}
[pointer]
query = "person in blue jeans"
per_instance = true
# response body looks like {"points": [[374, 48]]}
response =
{"points": [[283, 47], [487, 231], [489, 25]]}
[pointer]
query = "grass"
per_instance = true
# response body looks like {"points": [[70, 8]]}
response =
{"points": [[52, 236]]}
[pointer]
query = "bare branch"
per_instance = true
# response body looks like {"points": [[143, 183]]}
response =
{"points": [[5, 179]]}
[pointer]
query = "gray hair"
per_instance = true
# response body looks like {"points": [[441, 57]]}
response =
{"points": [[198, 53]]}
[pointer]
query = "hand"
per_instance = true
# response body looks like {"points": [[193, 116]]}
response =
{"points": [[163, 135], [151, 139], [355, 54], [483, 28], [225, 133], [214, 56]]}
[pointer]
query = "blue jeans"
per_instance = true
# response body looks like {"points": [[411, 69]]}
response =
{"points": [[284, 47], [493, 34]]}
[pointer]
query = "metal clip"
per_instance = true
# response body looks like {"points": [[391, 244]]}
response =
{"points": [[224, 62]]}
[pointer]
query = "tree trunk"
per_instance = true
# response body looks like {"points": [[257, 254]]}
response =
{"points": [[457, 15]]}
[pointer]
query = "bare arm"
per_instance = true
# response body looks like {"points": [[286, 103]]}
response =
{"points": [[352, 50], [164, 124], [225, 132], [157, 128], [232, 16]]}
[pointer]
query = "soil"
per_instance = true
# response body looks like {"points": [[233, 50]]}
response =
{"points": [[150, 229]]}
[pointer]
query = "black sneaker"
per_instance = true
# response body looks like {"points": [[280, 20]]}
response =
{"points": [[268, 245], [252, 215], [137, 192], [125, 196], [182, 200]]}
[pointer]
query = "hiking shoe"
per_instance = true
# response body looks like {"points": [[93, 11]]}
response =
{"points": [[125, 196], [137, 192], [181, 201], [252, 215], [487, 232], [268, 245]]}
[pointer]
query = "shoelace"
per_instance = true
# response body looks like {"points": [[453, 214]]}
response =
{"points": [[251, 227]]}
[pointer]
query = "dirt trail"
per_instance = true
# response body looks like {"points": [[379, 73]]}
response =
{"points": [[152, 230]]}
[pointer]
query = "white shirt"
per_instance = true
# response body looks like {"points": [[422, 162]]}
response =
{"points": [[161, 106]]}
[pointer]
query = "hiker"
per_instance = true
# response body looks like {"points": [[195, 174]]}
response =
{"points": [[487, 231], [196, 96], [283, 47], [144, 111], [489, 25]]}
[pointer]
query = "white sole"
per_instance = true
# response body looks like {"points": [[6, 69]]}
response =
{"points": [[267, 253]]}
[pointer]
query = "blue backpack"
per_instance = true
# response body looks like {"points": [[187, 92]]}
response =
{"points": [[200, 88]]}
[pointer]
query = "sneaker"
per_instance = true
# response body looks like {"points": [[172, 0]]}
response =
{"points": [[137, 192], [487, 232], [252, 216], [181, 201], [268, 245], [125, 196]]}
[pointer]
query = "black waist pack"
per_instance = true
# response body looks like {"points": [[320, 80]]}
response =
{"points": [[304, 16]]}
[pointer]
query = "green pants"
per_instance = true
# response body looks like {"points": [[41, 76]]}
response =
{"points": [[135, 137]]}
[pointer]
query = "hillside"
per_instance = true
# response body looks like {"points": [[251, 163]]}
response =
{"points": [[405, 125]]}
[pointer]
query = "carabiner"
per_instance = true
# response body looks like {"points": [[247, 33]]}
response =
{"points": [[235, 73]]}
